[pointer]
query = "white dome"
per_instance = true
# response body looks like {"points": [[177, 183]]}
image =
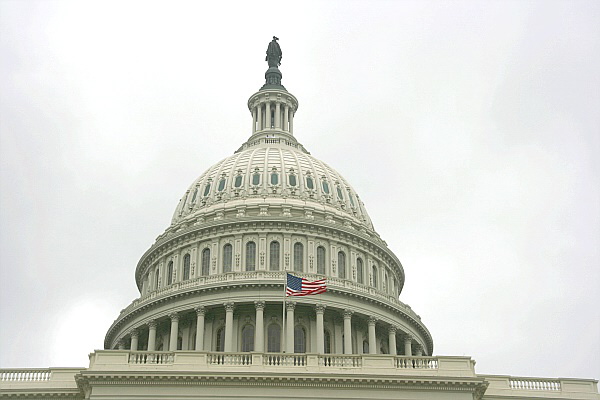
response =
{"points": [[278, 173]]}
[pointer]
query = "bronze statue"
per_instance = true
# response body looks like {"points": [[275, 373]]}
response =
{"points": [[274, 53]]}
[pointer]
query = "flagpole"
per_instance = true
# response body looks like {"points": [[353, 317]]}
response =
{"points": [[282, 349]]}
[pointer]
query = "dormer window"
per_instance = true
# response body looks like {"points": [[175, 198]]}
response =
{"points": [[274, 177], [325, 186], [238, 181], [340, 195], [207, 189], [221, 186], [256, 178], [310, 183], [195, 195], [292, 180]]}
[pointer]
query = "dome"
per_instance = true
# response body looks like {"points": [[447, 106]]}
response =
{"points": [[271, 173]]}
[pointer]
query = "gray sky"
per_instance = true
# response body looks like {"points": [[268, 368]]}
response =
{"points": [[471, 130]]}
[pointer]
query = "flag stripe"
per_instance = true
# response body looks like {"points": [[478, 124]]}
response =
{"points": [[297, 286]]}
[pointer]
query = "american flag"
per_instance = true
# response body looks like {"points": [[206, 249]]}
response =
{"points": [[297, 286]]}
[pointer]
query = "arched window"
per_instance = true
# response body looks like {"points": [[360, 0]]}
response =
{"points": [[227, 257], [156, 278], [327, 339], [248, 338], [385, 281], [374, 276], [274, 338], [342, 265], [360, 271], [205, 262], [274, 256], [321, 260], [299, 339], [186, 267], [365, 347], [170, 273], [250, 256], [220, 339], [298, 257]]}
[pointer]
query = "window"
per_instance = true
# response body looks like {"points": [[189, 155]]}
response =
{"points": [[274, 178], [385, 282], [157, 279], [256, 178], [339, 193], [195, 195], [325, 186], [299, 339], [365, 347], [298, 257], [221, 186], [292, 180], [360, 270], [250, 256], [170, 273], [179, 343], [227, 257], [374, 276], [248, 338], [327, 339], [206, 189], [321, 260], [310, 183], [186, 267], [238, 181], [220, 339], [274, 338], [351, 199], [205, 262], [342, 265], [274, 256]]}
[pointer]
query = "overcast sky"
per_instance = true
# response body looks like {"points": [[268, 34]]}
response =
{"points": [[471, 130]]}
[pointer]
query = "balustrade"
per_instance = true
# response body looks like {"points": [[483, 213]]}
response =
{"points": [[230, 358], [29, 375], [288, 360], [416, 363], [151, 357], [346, 361], [535, 384]]}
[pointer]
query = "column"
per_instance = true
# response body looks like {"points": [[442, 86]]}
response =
{"points": [[253, 120], [200, 312], [320, 309], [348, 331], [134, 339], [174, 331], [268, 115], [229, 326], [259, 332], [259, 116], [277, 115], [392, 339], [289, 334], [372, 340], [418, 350], [291, 121], [286, 111], [408, 345], [151, 335]]}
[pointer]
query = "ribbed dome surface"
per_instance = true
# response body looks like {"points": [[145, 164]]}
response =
{"points": [[272, 171]]}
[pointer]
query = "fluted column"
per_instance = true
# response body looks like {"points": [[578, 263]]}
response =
{"points": [[174, 331], [200, 313], [259, 332], [151, 335], [348, 331], [278, 115], [291, 121], [392, 339], [134, 339], [372, 339], [254, 111], [289, 334], [229, 326], [286, 111], [259, 116], [408, 345], [320, 309]]}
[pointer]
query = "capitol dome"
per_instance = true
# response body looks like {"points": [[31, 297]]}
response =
{"points": [[214, 280]]}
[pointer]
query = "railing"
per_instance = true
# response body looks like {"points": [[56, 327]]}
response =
{"points": [[416, 363], [154, 357], [534, 384], [346, 361], [230, 358], [288, 360], [28, 375]]}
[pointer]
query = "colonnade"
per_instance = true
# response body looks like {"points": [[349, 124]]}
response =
{"points": [[259, 336], [282, 116]]}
